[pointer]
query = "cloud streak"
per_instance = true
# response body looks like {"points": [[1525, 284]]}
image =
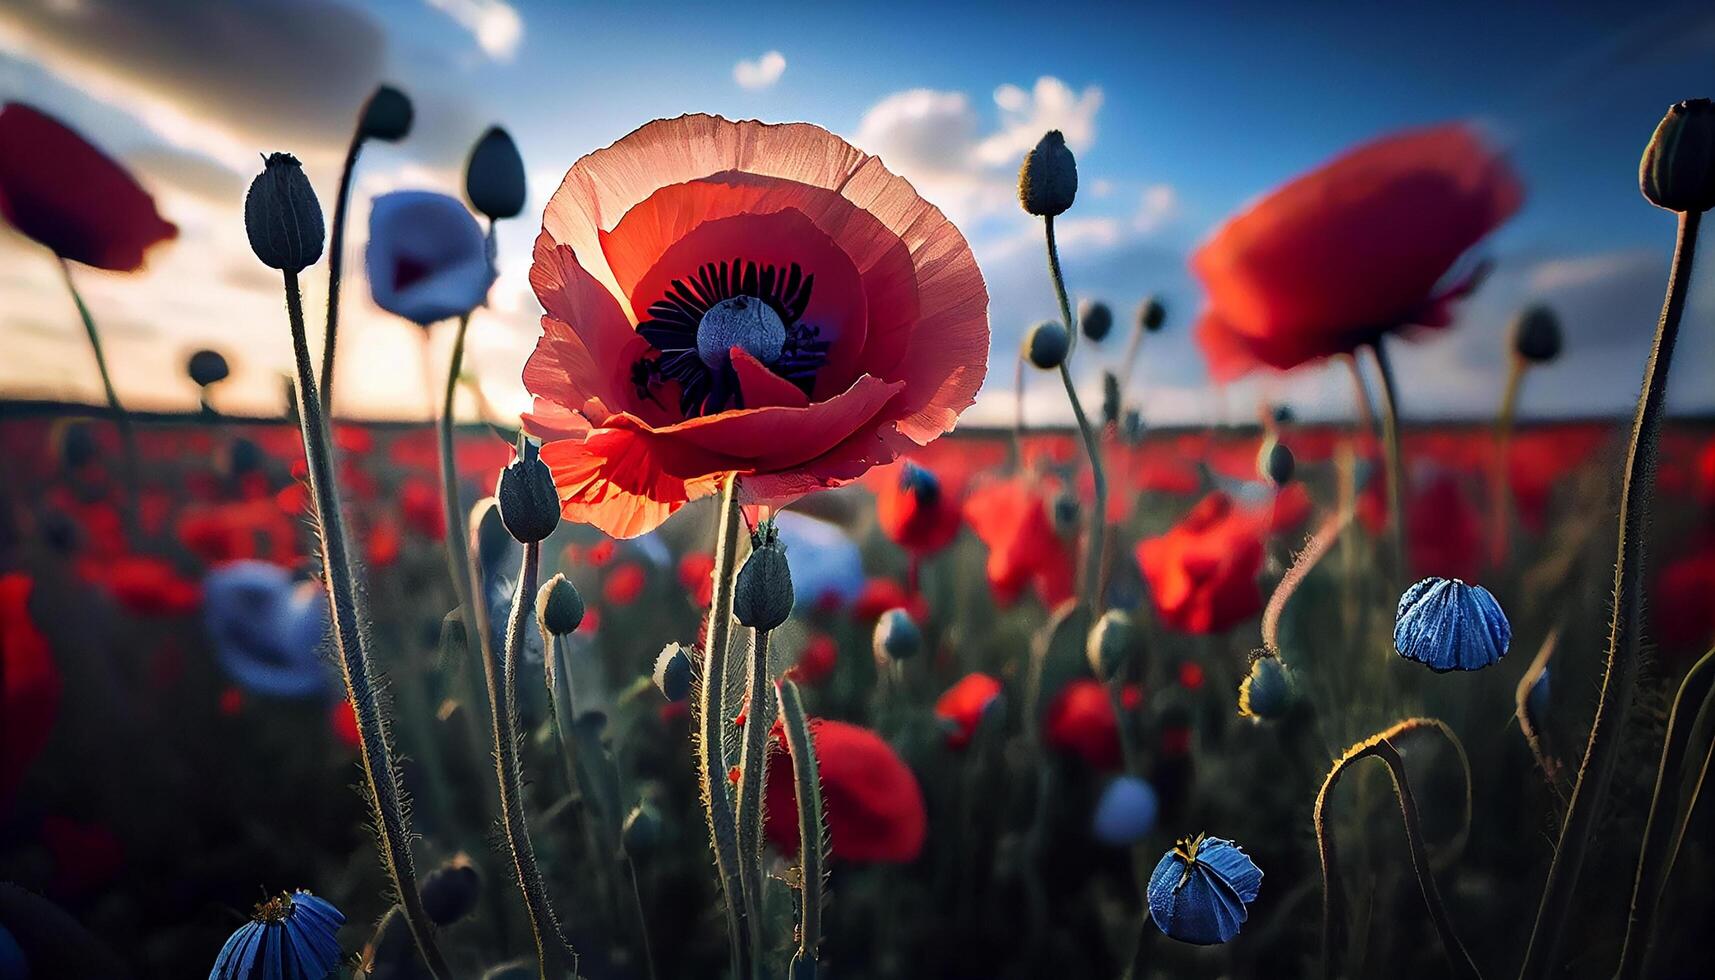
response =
{"points": [[759, 73]]}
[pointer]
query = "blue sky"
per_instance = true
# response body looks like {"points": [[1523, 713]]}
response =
{"points": [[1179, 116]]}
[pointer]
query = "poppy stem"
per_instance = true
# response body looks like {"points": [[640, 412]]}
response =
{"points": [[1528, 723], [1395, 457], [127, 437], [392, 819], [812, 829], [458, 545], [1018, 413], [336, 260], [1619, 680], [711, 730], [1501, 493], [759, 716], [1099, 515]]}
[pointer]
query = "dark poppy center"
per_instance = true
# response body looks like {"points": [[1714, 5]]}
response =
{"points": [[742, 321], [407, 271]]}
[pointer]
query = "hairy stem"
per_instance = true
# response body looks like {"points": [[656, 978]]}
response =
{"points": [[127, 437], [711, 729], [812, 829], [752, 766], [336, 260], [1099, 513]]}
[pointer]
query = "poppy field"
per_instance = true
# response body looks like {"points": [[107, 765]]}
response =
{"points": [[738, 655]]}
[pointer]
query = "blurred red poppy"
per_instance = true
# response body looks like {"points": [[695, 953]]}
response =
{"points": [[1081, 721], [916, 510], [696, 577], [1351, 251], [874, 805], [343, 720], [30, 684], [63, 192], [963, 705], [86, 856], [247, 529], [1682, 604], [1011, 517], [1446, 531], [881, 594], [1202, 573], [144, 585], [420, 505], [624, 584], [816, 661]]}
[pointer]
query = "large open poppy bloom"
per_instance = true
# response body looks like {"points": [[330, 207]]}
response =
{"points": [[1202, 573], [874, 805], [1351, 251], [725, 297], [66, 194]]}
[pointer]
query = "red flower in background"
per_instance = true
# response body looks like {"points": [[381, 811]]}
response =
{"points": [[816, 661], [1353, 250], [740, 297], [696, 576], [59, 190], [86, 856], [624, 584], [916, 511], [30, 684], [420, 505], [1081, 721], [144, 585], [1202, 573], [1446, 531], [874, 805], [343, 720], [250, 529], [1682, 604], [881, 594], [963, 705], [1011, 517]]}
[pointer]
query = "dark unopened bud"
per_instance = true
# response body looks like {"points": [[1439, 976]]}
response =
{"points": [[921, 484], [494, 177], [207, 367], [642, 832], [76, 444], [1536, 335], [1151, 314], [559, 607], [1110, 644], [1110, 398], [1276, 463], [1046, 345], [896, 637], [1678, 168], [1266, 692], [1066, 513], [282, 216], [1048, 180], [1131, 425], [450, 892], [242, 456], [673, 673], [1095, 319], [1283, 415], [762, 596], [386, 116], [529, 505]]}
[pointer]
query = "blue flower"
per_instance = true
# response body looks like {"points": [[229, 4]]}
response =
{"points": [[291, 937], [1446, 624], [824, 561], [267, 629], [427, 258], [1126, 812], [1266, 692], [1200, 891]]}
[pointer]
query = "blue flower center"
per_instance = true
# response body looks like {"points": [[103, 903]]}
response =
{"points": [[742, 321]]}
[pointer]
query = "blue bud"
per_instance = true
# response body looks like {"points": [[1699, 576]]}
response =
{"points": [[386, 116], [1095, 319], [494, 177], [1446, 624], [673, 672], [529, 505], [1047, 344], [282, 216], [1200, 892], [897, 636], [1266, 692], [1126, 812]]}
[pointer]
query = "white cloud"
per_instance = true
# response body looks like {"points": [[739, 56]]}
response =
{"points": [[495, 24], [759, 73], [1025, 116], [1160, 204]]}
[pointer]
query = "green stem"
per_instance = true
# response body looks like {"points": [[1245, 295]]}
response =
{"points": [[1619, 681], [812, 829], [1501, 492], [1395, 457], [752, 766], [1099, 515], [127, 437], [336, 260], [458, 545], [392, 822], [642, 918]]}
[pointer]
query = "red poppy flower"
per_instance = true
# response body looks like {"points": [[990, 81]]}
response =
{"points": [[343, 720], [816, 661], [916, 510], [624, 584], [1348, 252], [1011, 518], [86, 856], [881, 594], [1682, 604], [738, 297], [963, 705], [1446, 531], [144, 585], [873, 802], [1202, 573], [30, 684], [1289, 510], [1081, 721], [696, 576], [420, 505], [249, 529]]}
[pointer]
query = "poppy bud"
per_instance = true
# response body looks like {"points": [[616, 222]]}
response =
{"points": [[1678, 167], [1110, 644], [450, 892], [1276, 463], [1536, 335], [1066, 513], [1200, 892], [1283, 415], [896, 636], [559, 607], [1131, 425], [207, 367], [1110, 398], [1046, 345], [1266, 692], [762, 596], [642, 832], [282, 217], [386, 116], [494, 177], [529, 505], [1126, 812], [1151, 314], [673, 673], [1048, 180], [1095, 319]]}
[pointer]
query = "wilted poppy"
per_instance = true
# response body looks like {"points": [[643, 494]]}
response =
{"points": [[30, 683], [916, 511], [742, 298], [1446, 624], [1202, 573], [427, 258], [1351, 251], [962, 707], [1201, 891], [1012, 519], [59, 190], [874, 805]]}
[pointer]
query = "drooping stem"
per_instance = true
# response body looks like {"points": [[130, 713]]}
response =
{"points": [[812, 829], [552, 949], [1306, 560], [1501, 491], [1620, 677], [752, 766], [711, 730], [1528, 723], [1099, 513], [1395, 458], [127, 438], [336, 261], [350, 639]]}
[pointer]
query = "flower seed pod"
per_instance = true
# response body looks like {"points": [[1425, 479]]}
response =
{"points": [[1046, 345], [896, 637], [1266, 692], [673, 672], [1151, 314], [1095, 319], [1276, 463], [529, 505], [207, 367], [1678, 167], [762, 596], [1536, 335], [1048, 180], [494, 176], [450, 892], [642, 832], [386, 116], [559, 607], [1110, 644], [282, 216]]}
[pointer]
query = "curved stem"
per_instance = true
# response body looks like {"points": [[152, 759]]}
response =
{"points": [[1306, 560], [336, 260], [711, 731], [752, 766], [1619, 681], [1395, 458], [127, 437], [812, 828], [393, 828], [1527, 721], [1099, 514]]}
